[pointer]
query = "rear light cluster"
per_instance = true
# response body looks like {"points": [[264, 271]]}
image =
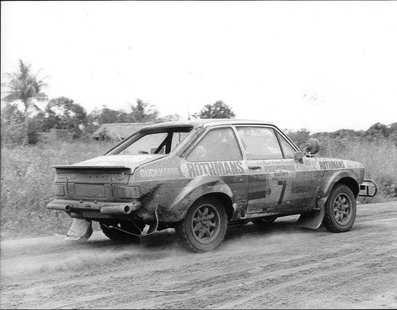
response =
{"points": [[123, 191], [58, 190]]}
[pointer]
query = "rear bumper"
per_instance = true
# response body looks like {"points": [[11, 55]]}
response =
{"points": [[368, 188], [95, 209]]}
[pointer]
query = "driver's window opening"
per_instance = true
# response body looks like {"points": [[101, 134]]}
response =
{"points": [[259, 143]]}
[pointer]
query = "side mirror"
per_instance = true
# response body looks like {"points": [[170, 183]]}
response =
{"points": [[298, 156], [312, 146]]}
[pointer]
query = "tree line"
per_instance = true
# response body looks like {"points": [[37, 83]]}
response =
{"points": [[22, 120], [23, 125], [378, 132]]}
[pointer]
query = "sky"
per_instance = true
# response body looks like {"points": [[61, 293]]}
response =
{"points": [[322, 66]]}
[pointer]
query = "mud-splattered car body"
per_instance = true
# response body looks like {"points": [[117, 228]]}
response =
{"points": [[248, 170]]}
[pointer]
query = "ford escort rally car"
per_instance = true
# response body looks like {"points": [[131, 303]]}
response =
{"points": [[201, 176]]}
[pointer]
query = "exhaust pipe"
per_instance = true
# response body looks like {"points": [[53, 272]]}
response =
{"points": [[58, 207], [117, 210], [108, 208]]}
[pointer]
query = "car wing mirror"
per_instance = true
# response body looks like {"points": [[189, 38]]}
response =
{"points": [[312, 146], [298, 156]]}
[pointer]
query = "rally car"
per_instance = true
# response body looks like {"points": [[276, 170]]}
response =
{"points": [[200, 176]]}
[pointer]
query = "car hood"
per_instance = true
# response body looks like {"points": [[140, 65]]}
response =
{"points": [[115, 161]]}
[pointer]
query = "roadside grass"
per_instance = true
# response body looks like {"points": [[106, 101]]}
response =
{"points": [[379, 159], [27, 176], [26, 185]]}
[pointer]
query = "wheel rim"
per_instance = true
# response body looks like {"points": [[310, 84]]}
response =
{"points": [[205, 223], [342, 209]]}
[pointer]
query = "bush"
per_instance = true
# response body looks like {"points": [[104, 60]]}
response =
{"points": [[15, 134], [12, 134]]}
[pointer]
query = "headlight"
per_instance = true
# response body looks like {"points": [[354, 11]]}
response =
{"points": [[129, 192]]}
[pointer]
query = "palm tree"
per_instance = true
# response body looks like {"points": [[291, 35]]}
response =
{"points": [[25, 86]]}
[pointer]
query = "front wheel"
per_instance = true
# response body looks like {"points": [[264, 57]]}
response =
{"points": [[340, 210], [204, 225]]}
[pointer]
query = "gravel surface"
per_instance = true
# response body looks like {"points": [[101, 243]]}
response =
{"points": [[282, 266]]}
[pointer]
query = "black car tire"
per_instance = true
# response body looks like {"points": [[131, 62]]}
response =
{"points": [[204, 226], [124, 231], [340, 210], [265, 221]]}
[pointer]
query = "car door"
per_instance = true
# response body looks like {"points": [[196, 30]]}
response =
{"points": [[218, 153], [306, 181], [272, 172]]}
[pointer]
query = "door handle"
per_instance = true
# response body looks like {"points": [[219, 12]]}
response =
{"points": [[254, 167]]}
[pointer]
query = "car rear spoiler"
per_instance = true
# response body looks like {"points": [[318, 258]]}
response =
{"points": [[368, 189], [87, 169]]}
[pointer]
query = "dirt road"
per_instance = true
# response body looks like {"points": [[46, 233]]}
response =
{"points": [[283, 266]]}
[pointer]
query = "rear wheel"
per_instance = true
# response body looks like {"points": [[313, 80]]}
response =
{"points": [[122, 231], [263, 222], [204, 225], [340, 210]]}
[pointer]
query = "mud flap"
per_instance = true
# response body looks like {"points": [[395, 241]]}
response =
{"points": [[80, 230], [148, 231], [312, 220], [153, 226]]}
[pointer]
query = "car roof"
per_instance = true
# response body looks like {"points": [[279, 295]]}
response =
{"points": [[207, 123]]}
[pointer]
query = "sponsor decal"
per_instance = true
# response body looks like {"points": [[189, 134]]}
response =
{"points": [[281, 174], [276, 162], [330, 165], [201, 151], [276, 168], [159, 172], [213, 168]]}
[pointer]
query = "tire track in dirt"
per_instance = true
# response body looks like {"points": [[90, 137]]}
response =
{"points": [[282, 266]]}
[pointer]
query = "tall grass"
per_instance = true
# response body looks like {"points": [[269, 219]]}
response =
{"points": [[380, 162], [26, 184], [27, 176], [379, 159]]}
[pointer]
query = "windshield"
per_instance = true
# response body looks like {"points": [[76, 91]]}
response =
{"points": [[158, 141]]}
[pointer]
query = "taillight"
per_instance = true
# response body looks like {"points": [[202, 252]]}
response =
{"points": [[58, 190]]}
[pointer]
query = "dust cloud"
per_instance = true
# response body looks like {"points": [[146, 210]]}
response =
{"points": [[279, 266]]}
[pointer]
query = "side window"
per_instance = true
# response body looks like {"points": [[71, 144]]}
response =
{"points": [[218, 144], [287, 148], [177, 138], [260, 143]]}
